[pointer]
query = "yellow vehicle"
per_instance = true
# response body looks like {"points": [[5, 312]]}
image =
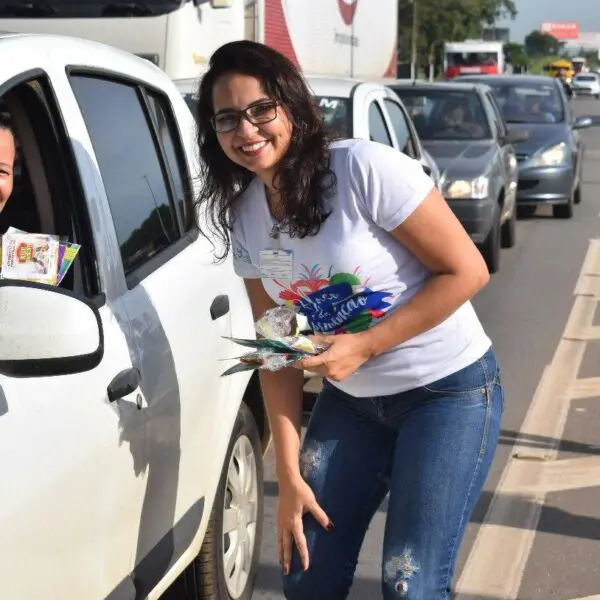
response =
{"points": [[562, 64]]}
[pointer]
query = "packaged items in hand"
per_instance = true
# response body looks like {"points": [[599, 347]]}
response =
{"points": [[38, 257], [279, 344]]}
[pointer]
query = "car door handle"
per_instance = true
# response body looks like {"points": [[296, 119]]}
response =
{"points": [[219, 307], [124, 383]]}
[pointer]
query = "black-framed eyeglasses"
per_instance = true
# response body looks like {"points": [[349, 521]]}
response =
{"points": [[257, 114]]}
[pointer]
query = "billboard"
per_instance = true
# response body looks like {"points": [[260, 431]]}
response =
{"points": [[561, 30]]}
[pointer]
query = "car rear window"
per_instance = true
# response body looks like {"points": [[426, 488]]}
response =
{"points": [[337, 113]]}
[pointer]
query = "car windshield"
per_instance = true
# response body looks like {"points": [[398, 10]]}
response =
{"points": [[337, 114], [529, 102], [586, 78], [471, 59], [446, 114], [191, 100]]}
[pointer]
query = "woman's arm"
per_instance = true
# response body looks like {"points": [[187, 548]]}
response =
{"points": [[436, 237], [283, 392]]}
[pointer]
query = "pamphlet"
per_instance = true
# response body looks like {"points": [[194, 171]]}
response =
{"points": [[30, 257], [283, 346], [35, 256]]}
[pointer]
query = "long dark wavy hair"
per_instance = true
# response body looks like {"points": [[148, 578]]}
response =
{"points": [[303, 179]]}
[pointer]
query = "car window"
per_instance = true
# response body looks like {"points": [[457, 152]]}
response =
{"points": [[530, 101], [401, 127], [177, 171], [378, 130], [337, 115], [130, 167], [446, 114]]}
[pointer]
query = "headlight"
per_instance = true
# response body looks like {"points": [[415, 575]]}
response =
{"points": [[462, 188], [556, 155]]}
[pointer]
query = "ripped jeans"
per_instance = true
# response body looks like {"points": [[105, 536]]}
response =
{"points": [[431, 448]]}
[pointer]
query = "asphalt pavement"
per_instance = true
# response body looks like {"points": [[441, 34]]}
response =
{"points": [[535, 534]]}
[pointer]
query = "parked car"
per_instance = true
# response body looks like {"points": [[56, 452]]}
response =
{"points": [[461, 126], [551, 158], [126, 460], [356, 109], [586, 84]]}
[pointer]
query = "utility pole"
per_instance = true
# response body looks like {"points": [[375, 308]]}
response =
{"points": [[414, 36]]}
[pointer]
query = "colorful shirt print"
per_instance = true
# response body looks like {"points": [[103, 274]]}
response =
{"points": [[336, 302]]}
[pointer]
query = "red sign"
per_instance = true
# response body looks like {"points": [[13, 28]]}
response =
{"points": [[561, 30], [348, 9]]}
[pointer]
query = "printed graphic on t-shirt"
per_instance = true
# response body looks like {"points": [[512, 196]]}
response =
{"points": [[335, 302]]}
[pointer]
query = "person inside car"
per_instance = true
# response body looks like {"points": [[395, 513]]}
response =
{"points": [[7, 162], [455, 118]]}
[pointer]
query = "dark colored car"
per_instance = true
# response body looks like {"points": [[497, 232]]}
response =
{"points": [[550, 159], [461, 126]]}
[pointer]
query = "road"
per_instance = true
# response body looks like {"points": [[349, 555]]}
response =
{"points": [[535, 533]]}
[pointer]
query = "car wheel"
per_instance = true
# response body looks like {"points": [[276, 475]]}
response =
{"points": [[577, 196], [509, 231], [490, 249], [228, 561]]}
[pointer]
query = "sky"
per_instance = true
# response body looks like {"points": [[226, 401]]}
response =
{"points": [[533, 12]]}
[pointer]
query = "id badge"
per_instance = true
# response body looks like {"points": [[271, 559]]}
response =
{"points": [[276, 264]]}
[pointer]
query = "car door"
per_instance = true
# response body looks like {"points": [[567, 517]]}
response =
{"points": [[177, 302], [71, 460], [507, 153]]}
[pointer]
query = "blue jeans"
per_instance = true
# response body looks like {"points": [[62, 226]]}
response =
{"points": [[431, 448]]}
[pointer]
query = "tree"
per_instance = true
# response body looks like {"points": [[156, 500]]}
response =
{"points": [[538, 44], [517, 56], [442, 21]]}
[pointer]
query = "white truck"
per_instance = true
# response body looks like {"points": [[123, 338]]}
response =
{"points": [[355, 38], [473, 57], [126, 460]]}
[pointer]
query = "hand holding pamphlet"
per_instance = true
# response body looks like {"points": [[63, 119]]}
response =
{"points": [[279, 345], [38, 257]]}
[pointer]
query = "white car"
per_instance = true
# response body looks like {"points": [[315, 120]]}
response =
{"points": [[370, 111], [356, 109], [126, 460], [586, 84]]}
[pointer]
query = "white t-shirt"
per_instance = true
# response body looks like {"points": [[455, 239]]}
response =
{"points": [[354, 273]]}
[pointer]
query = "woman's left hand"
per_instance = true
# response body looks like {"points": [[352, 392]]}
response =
{"points": [[346, 353]]}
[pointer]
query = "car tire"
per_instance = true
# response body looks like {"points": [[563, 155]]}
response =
{"points": [[509, 231], [577, 195], [490, 249], [243, 469]]}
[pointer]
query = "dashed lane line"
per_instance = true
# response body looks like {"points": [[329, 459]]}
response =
{"points": [[499, 555]]}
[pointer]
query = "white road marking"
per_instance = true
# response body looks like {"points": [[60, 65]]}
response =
{"points": [[499, 555]]}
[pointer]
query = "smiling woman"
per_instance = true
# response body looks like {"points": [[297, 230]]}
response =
{"points": [[355, 237]]}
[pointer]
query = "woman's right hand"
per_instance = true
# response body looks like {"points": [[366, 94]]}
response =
{"points": [[296, 499]]}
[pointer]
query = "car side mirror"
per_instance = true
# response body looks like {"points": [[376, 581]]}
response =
{"points": [[516, 136], [427, 170], [582, 123], [46, 331]]}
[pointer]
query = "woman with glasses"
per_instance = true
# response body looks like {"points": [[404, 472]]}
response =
{"points": [[354, 236]]}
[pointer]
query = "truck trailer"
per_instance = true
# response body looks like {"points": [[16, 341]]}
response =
{"points": [[353, 38]]}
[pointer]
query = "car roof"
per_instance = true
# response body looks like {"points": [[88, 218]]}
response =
{"points": [[189, 85], [510, 79], [449, 86], [333, 86], [83, 52]]}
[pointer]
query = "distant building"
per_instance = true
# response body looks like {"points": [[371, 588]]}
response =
{"points": [[496, 34]]}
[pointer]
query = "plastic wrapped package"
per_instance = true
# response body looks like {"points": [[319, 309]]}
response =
{"points": [[279, 344]]}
